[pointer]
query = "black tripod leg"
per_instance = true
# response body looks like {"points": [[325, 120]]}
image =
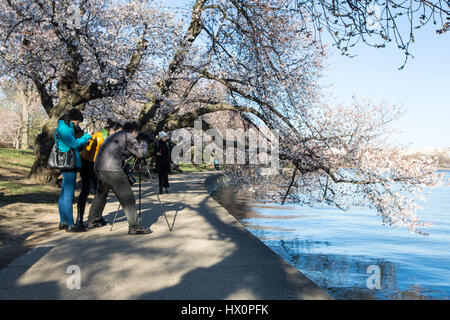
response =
{"points": [[139, 212], [157, 195]]}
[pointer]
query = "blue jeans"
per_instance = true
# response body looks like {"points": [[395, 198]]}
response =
{"points": [[66, 197]]}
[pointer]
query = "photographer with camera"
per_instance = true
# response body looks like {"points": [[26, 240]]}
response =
{"points": [[109, 167]]}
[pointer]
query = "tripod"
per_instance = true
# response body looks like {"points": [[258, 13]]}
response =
{"points": [[141, 163]]}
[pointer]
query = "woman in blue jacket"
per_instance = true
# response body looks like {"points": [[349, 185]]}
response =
{"points": [[65, 140]]}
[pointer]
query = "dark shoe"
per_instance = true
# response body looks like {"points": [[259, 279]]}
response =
{"points": [[75, 228], [167, 190], [81, 227], [103, 221], [93, 226], [63, 226], [139, 230], [161, 191]]}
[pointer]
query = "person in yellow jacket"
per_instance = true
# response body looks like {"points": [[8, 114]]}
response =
{"points": [[88, 177]]}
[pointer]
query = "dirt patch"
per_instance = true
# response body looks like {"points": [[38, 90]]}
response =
{"points": [[23, 226], [28, 210]]}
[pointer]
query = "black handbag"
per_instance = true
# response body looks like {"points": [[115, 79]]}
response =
{"points": [[65, 161]]}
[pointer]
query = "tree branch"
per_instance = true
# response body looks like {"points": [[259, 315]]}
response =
{"points": [[195, 27]]}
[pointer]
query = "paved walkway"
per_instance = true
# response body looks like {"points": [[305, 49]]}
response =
{"points": [[207, 255]]}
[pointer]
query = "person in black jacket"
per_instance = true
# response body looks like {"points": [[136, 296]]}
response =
{"points": [[163, 161]]}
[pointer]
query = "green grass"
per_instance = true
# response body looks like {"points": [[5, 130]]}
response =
{"points": [[14, 168], [15, 164], [14, 188], [22, 158]]}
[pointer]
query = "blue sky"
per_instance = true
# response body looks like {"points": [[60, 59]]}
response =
{"points": [[422, 88]]}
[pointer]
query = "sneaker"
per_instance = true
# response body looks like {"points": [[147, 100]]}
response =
{"points": [[103, 221], [139, 230], [62, 226], [81, 227], [75, 228], [93, 226]]}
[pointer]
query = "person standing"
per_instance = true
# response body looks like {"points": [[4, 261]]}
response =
{"points": [[88, 177], [216, 165], [110, 174], [65, 140], [163, 161]]}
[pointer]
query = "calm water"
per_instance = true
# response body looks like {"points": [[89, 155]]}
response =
{"points": [[335, 248]]}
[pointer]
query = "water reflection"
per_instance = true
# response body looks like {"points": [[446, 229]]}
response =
{"points": [[336, 263], [336, 273], [237, 203]]}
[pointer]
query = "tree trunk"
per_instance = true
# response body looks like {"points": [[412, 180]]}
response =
{"points": [[43, 145], [25, 124], [45, 140]]}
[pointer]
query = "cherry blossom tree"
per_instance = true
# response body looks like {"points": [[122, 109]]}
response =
{"points": [[259, 59], [79, 52], [10, 127], [344, 156], [21, 112]]}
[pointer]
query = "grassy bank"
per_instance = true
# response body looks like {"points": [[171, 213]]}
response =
{"points": [[14, 185]]}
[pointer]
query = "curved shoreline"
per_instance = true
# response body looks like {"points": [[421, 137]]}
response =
{"points": [[239, 209], [216, 186]]}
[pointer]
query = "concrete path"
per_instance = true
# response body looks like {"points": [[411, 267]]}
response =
{"points": [[207, 255]]}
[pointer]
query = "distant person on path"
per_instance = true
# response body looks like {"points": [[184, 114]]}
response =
{"points": [[163, 161], [88, 177], [216, 165], [65, 140], [109, 166]]}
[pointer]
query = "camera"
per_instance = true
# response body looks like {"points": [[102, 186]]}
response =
{"points": [[142, 136], [131, 178]]}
